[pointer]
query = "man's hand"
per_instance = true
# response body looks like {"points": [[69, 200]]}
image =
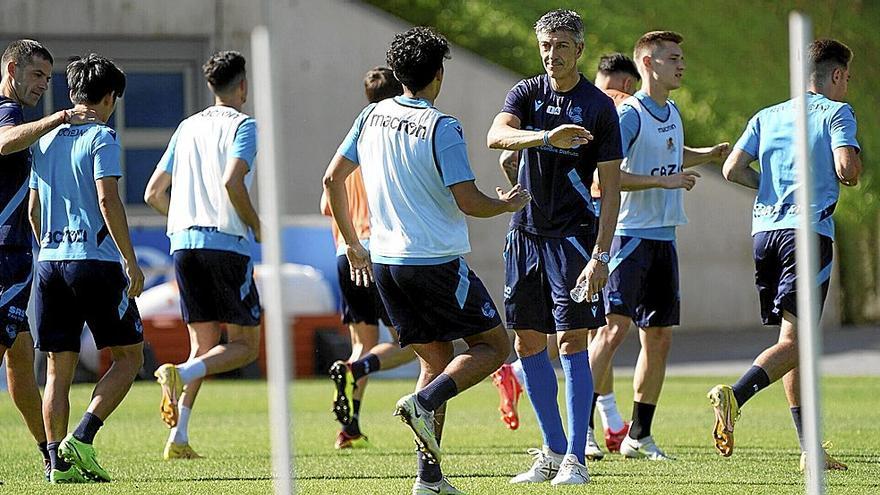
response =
{"points": [[258, 235], [516, 198], [361, 267], [569, 136], [720, 151], [135, 278], [77, 116], [596, 276], [682, 180]]}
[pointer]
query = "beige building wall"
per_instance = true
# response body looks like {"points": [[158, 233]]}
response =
{"points": [[323, 49]]}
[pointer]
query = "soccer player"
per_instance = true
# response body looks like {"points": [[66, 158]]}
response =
{"points": [[617, 76], [835, 159], [362, 309], [567, 128], [77, 215], [419, 187], [211, 224], [643, 285], [26, 70]]}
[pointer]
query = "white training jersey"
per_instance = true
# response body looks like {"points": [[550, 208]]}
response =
{"points": [[658, 149], [413, 214], [203, 147]]}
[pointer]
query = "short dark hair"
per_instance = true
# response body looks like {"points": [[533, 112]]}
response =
{"points": [[826, 55], [92, 78], [614, 63], [416, 55], [653, 39], [22, 52], [380, 83], [561, 20], [224, 70]]}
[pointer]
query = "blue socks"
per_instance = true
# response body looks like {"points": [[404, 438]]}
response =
{"points": [[798, 425], [542, 389], [88, 427], [578, 399], [55, 460], [365, 365], [750, 384], [440, 390]]}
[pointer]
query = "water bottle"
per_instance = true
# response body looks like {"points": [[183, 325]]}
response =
{"points": [[579, 293]]}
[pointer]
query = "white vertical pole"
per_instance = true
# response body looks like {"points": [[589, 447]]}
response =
{"points": [[277, 337], [809, 337]]}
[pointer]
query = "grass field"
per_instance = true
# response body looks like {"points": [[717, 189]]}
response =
{"points": [[229, 426]]}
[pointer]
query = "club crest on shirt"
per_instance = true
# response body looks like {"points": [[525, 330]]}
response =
{"points": [[670, 144], [575, 114]]}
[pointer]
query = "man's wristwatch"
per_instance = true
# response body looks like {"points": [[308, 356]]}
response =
{"points": [[602, 257]]}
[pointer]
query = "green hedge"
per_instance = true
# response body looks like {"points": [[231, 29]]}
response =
{"points": [[737, 56]]}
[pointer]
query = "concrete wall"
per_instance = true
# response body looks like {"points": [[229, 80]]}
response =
{"points": [[324, 47]]}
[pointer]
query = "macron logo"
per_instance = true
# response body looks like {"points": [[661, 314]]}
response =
{"points": [[538, 105]]}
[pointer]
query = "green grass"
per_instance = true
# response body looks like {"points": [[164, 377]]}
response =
{"points": [[229, 425]]}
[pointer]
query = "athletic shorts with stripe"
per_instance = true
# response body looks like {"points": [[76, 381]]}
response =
{"points": [[643, 281], [71, 293], [539, 275], [16, 275], [776, 272], [435, 303], [217, 285]]}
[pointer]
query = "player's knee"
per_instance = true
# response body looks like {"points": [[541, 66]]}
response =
{"points": [[611, 335], [129, 357], [500, 345], [525, 347]]}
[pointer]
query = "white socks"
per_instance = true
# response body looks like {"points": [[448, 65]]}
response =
{"points": [[517, 368], [180, 433], [192, 370], [607, 406]]}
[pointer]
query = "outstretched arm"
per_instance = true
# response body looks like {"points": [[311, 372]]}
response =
{"points": [[506, 134], [634, 182], [15, 138], [474, 203], [699, 156]]}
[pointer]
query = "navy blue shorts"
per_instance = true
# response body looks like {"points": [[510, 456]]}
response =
{"points": [[70, 293], [539, 275], [359, 304], [435, 303], [643, 281], [16, 274], [217, 286], [776, 272]]}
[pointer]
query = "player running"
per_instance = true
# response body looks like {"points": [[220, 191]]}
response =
{"points": [[643, 284], [567, 128], [80, 221], [26, 70], [419, 187], [362, 308], [835, 160], [212, 224]]}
